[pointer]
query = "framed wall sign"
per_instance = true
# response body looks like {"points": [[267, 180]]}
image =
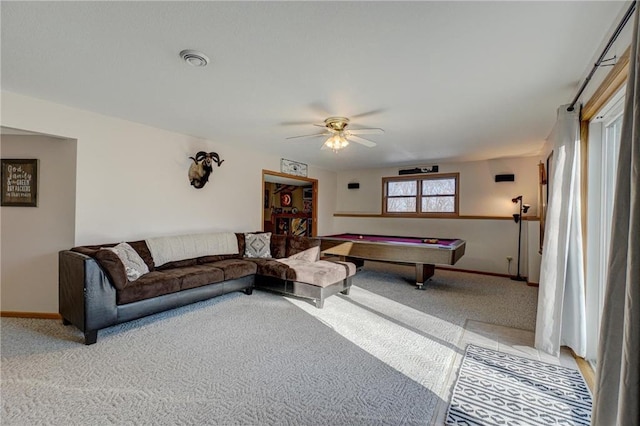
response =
{"points": [[291, 167], [19, 182]]}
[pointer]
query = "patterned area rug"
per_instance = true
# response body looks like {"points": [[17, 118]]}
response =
{"points": [[496, 388]]}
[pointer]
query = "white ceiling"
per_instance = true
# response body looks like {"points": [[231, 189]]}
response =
{"points": [[447, 81]]}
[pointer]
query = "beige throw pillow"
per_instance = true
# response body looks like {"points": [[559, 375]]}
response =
{"points": [[257, 245], [308, 255], [133, 263]]}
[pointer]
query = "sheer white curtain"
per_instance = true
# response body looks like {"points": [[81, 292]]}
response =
{"points": [[561, 297], [617, 396]]}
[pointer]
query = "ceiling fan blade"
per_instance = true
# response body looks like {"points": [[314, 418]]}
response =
{"points": [[315, 135], [362, 141], [368, 113], [366, 131]]}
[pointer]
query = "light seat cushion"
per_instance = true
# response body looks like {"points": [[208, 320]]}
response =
{"points": [[321, 273], [350, 267]]}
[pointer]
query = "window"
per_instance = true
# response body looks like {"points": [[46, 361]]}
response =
{"points": [[604, 145], [435, 195]]}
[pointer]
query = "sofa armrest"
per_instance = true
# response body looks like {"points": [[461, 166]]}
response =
{"points": [[87, 299]]}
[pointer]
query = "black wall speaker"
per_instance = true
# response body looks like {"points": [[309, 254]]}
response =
{"points": [[505, 178], [353, 185]]}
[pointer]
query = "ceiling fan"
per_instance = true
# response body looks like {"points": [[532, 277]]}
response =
{"points": [[338, 135]]}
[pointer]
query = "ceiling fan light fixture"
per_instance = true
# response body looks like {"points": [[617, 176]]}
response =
{"points": [[338, 135], [336, 142]]}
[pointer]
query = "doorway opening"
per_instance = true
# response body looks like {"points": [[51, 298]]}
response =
{"points": [[290, 204]]}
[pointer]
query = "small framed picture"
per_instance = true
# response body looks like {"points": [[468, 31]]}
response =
{"points": [[19, 182], [286, 199]]}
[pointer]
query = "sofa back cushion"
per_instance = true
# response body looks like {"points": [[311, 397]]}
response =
{"points": [[297, 244], [177, 264], [112, 266], [134, 266], [139, 246], [257, 245], [278, 244]]}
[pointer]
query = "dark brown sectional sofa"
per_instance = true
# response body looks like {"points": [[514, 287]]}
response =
{"points": [[95, 293]]}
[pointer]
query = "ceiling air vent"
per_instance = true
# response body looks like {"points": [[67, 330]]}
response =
{"points": [[194, 58]]}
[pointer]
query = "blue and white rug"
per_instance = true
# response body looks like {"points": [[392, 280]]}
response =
{"points": [[496, 388]]}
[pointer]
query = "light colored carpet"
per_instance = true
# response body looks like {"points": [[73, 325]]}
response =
{"points": [[378, 356], [456, 296]]}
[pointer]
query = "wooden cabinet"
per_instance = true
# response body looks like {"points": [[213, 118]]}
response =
{"points": [[292, 224]]}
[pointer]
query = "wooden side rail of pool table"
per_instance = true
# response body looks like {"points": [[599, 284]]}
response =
{"points": [[423, 257]]}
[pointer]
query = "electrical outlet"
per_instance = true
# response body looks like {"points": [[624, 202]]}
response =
{"points": [[509, 258]]}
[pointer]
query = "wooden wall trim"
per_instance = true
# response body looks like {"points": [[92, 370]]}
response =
{"points": [[586, 370], [609, 86], [584, 187], [38, 315], [432, 217], [471, 271], [493, 274]]}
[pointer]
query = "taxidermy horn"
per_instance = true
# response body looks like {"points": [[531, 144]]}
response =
{"points": [[201, 168], [216, 158]]}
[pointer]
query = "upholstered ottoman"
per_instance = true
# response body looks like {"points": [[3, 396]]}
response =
{"points": [[311, 280]]}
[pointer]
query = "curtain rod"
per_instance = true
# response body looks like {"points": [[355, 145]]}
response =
{"points": [[613, 38]]}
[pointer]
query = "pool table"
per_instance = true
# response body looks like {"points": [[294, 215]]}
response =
{"points": [[422, 252]]}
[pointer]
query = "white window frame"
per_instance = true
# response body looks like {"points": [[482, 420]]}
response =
{"points": [[600, 187]]}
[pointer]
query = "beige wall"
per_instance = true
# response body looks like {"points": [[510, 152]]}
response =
{"points": [[480, 195], [489, 241], [32, 236], [131, 180]]}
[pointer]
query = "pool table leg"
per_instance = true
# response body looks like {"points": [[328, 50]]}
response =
{"points": [[424, 271]]}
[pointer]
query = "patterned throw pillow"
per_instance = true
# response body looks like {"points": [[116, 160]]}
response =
{"points": [[257, 245], [133, 263], [308, 255]]}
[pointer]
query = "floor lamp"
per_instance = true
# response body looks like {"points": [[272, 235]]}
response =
{"points": [[522, 208]]}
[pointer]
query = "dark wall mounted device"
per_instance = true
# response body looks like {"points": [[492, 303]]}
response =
{"points": [[505, 178], [416, 170], [353, 185]]}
